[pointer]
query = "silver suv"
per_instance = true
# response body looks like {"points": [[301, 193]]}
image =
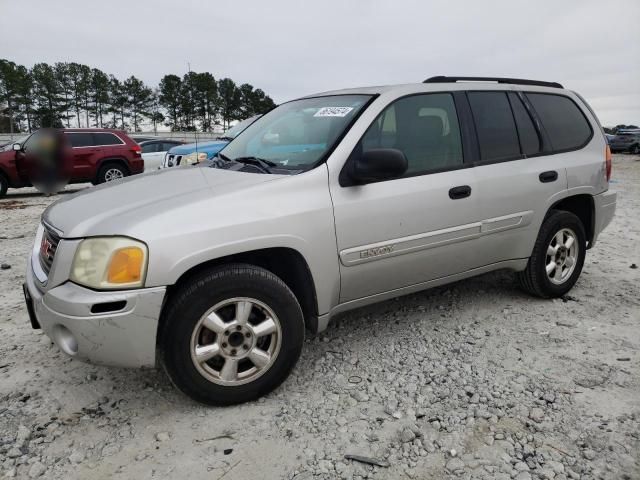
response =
{"points": [[325, 204]]}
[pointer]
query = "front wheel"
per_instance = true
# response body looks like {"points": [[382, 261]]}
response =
{"points": [[557, 258], [232, 334], [635, 150]]}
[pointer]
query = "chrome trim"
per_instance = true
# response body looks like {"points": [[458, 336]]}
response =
{"points": [[423, 241]]}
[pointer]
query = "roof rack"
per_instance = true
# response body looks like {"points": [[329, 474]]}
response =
{"points": [[515, 81]]}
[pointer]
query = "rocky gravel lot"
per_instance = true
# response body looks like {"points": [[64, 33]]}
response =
{"points": [[471, 380]]}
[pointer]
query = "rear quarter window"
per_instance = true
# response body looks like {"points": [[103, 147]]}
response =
{"points": [[104, 138], [81, 139], [565, 124]]}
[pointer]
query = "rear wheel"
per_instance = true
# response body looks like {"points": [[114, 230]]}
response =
{"points": [[232, 334], [557, 258], [110, 172], [4, 185], [635, 149]]}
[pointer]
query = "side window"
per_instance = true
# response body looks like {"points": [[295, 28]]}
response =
{"points": [[495, 126], [529, 139], [167, 146], [103, 138], [81, 139], [425, 127], [30, 144], [563, 121], [148, 148]]}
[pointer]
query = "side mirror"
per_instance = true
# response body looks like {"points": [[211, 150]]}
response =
{"points": [[379, 164], [17, 147]]}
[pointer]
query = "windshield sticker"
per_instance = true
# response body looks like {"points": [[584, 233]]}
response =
{"points": [[333, 112]]}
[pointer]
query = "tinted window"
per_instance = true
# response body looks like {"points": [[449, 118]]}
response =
{"points": [[495, 127], [563, 121], [529, 139], [106, 139], [168, 146], [150, 147], [424, 127], [81, 139]]}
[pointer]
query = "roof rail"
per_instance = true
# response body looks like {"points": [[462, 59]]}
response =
{"points": [[515, 81]]}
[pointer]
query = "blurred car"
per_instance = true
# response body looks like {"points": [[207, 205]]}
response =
{"points": [[95, 155], [626, 141], [153, 152], [143, 138], [193, 153]]}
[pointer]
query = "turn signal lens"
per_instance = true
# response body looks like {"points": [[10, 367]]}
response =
{"points": [[126, 265]]}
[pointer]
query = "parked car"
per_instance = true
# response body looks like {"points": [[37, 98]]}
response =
{"points": [[153, 152], [194, 153], [93, 155], [143, 138], [325, 204], [626, 141]]}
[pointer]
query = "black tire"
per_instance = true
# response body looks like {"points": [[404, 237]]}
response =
{"points": [[188, 305], [4, 185], [534, 278], [109, 167], [634, 150]]}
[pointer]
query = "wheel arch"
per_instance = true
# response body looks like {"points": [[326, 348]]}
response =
{"points": [[285, 262], [583, 207]]}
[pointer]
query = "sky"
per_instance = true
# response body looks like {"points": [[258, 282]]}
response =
{"points": [[292, 48]]}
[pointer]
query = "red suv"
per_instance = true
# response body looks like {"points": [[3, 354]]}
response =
{"points": [[90, 155]]}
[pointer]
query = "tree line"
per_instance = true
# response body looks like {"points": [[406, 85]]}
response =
{"points": [[69, 94]]}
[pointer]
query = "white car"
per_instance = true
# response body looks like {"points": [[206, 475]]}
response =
{"points": [[153, 152]]}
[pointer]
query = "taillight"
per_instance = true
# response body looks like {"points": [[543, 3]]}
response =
{"points": [[607, 162], [137, 150]]}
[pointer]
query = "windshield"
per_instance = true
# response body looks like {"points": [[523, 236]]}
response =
{"points": [[239, 127], [296, 135], [9, 146]]}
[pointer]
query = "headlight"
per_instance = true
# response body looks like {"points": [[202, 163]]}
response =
{"points": [[194, 158], [109, 263]]}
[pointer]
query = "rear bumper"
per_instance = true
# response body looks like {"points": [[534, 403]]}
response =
{"points": [[125, 337], [604, 209]]}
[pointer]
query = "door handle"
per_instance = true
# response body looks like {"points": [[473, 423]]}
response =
{"points": [[462, 191], [550, 176]]}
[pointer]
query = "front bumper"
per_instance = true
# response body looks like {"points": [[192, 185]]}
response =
{"points": [[604, 209], [123, 337]]}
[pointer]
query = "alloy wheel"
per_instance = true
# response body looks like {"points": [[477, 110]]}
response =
{"points": [[113, 174], [562, 256], [236, 341]]}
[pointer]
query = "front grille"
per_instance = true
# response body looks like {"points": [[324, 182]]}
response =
{"points": [[173, 160], [48, 247]]}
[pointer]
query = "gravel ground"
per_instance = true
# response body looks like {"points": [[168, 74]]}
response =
{"points": [[471, 380]]}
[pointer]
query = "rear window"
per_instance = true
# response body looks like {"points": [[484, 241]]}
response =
{"points": [[103, 138], [81, 139], [495, 126], [564, 122]]}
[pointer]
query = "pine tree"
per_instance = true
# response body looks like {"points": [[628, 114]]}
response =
{"points": [[170, 88]]}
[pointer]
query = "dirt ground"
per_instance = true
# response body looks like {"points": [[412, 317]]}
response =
{"points": [[471, 380]]}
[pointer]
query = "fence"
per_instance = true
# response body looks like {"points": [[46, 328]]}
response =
{"points": [[188, 137]]}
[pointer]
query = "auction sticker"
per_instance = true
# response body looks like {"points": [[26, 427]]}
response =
{"points": [[333, 112]]}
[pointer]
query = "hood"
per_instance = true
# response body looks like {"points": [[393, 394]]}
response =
{"points": [[210, 147], [122, 207]]}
